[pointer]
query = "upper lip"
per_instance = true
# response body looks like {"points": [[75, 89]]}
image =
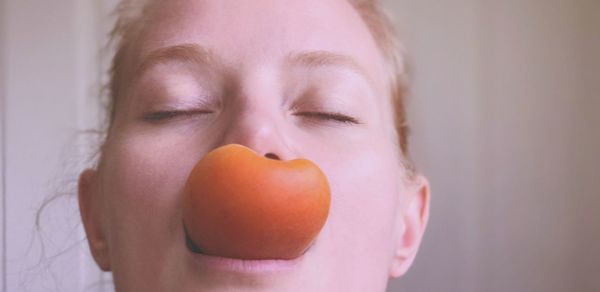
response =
{"points": [[211, 264], [191, 245]]}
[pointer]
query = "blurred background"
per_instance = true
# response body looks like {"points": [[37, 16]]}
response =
{"points": [[505, 112]]}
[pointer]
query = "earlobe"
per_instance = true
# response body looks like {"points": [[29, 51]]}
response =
{"points": [[91, 210], [413, 217]]}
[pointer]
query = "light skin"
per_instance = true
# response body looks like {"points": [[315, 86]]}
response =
{"points": [[259, 73]]}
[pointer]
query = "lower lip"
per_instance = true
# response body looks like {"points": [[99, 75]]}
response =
{"points": [[241, 266]]}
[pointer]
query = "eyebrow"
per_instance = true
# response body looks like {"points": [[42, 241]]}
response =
{"points": [[201, 56], [317, 59], [187, 53]]}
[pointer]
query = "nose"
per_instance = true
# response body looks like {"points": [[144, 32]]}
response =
{"points": [[259, 130]]}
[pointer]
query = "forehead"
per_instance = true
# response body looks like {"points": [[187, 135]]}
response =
{"points": [[250, 32]]}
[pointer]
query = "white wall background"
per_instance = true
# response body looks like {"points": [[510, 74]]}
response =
{"points": [[50, 76], [506, 120]]}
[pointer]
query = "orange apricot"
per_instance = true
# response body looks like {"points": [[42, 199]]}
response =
{"points": [[238, 204]]}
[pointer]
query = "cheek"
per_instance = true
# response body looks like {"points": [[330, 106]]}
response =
{"points": [[365, 192], [140, 177], [143, 183], [358, 239]]}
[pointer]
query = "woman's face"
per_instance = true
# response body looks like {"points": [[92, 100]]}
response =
{"points": [[299, 79]]}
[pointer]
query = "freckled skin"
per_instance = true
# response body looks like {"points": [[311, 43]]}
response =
{"points": [[241, 205]]}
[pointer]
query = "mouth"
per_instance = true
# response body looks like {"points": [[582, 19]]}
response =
{"points": [[241, 266], [190, 243]]}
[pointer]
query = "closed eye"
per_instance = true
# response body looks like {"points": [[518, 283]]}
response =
{"points": [[330, 116], [171, 114]]}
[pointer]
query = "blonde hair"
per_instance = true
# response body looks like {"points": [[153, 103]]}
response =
{"points": [[130, 13]]}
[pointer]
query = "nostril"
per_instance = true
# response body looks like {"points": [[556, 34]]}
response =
{"points": [[272, 156]]}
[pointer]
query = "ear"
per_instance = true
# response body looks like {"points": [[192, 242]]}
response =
{"points": [[91, 211], [412, 219]]}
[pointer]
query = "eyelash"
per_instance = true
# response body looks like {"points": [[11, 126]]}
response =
{"points": [[329, 116], [168, 115]]}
